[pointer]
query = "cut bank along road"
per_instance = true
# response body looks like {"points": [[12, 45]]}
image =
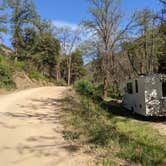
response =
{"points": [[31, 131]]}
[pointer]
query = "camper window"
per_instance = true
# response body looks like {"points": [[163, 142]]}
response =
{"points": [[136, 86], [129, 88], [164, 89]]}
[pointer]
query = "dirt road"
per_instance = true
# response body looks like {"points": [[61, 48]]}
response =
{"points": [[31, 132]]}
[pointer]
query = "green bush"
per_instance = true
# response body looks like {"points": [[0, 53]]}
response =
{"points": [[59, 83], [87, 89], [101, 134], [1, 59], [111, 93], [6, 80], [37, 76], [20, 65], [84, 87]]}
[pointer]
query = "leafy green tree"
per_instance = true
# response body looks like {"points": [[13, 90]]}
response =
{"points": [[31, 35], [33, 38], [78, 70], [42, 49], [77, 66], [23, 15], [69, 39], [45, 54]]}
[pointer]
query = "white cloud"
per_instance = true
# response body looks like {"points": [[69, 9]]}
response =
{"points": [[60, 24]]}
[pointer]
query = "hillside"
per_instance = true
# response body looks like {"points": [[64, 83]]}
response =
{"points": [[14, 75]]}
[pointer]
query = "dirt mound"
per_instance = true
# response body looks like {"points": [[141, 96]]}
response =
{"points": [[3, 91]]}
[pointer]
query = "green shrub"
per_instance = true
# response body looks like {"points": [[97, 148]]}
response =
{"points": [[102, 134], [20, 65], [37, 76], [84, 87], [6, 80], [111, 93], [59, 83], [1, 59], [68, 135]]}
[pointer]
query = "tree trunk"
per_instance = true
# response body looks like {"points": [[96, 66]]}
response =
{"points": [[146, 55], [58, 77], [151, 58], [142, 68], [16, 57], [69, 72], [105, 92], [107, 58]]}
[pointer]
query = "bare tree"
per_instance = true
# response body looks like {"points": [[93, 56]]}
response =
{"points": [[163, 2], [105, 25], [142, 49], [145, 23]]}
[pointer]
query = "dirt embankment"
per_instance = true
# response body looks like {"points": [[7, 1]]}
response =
{"points": [[23, 82]]}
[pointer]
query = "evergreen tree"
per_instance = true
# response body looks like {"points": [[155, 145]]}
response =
{"points": [[45, 54], [23, 15], [78, 70], [77, 66]]}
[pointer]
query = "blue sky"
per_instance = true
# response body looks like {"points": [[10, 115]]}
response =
{"points": [[72, 12]]}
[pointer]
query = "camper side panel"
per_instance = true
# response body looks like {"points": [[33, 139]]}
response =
{"points": [[139, 104], [153, 94], [135, 101]]}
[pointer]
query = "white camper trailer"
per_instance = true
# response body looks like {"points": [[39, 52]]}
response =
{"points": [[146, 95]]}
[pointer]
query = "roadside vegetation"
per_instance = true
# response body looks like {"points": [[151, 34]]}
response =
{"points": [[8, 70], [6, 73], [113, 139]]}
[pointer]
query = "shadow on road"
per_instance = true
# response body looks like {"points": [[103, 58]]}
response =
{"points": [[43, 110]]}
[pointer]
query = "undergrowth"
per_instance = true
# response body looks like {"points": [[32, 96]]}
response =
{"points": [[6, 71], [8, 68], [37, 76], [113, 137]]}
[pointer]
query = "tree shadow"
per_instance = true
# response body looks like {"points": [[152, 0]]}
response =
{"points": [[5, 125], [43, 147], [52, 113], [116, 109]]}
